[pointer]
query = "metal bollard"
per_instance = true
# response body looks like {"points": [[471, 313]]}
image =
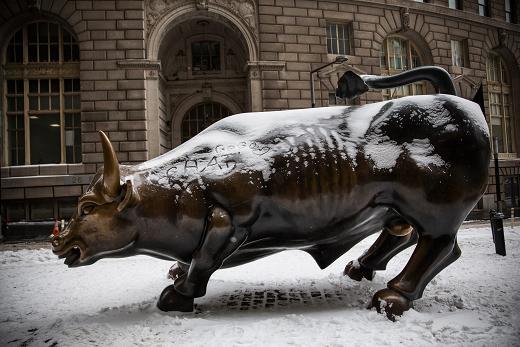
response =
{"points": [[512, 218], [497, 228]]}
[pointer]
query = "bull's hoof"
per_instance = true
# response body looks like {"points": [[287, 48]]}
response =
{"points": [[175, 272], [171, 300], [357, 271], [390, 302]]}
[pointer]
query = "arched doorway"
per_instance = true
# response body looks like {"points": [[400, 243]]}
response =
{"points": [[202, 62], [205, 49]]}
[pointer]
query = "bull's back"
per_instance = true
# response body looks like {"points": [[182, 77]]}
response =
{"points": [[433, 147]]}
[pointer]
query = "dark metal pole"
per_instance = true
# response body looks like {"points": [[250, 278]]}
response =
{"points": [[313, 98], [497, 173], [339, 59], [497, 217]]}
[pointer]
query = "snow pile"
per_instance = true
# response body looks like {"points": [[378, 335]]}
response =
{"points": [[279, 300]]}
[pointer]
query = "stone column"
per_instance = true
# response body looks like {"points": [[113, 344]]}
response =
{"points": [[255, 87], [255, 69], [151, 75]]}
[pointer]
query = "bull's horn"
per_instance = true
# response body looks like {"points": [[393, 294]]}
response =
{"points": [[111, 175]]}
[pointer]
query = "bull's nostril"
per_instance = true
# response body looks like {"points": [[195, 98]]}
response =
{"points": [[56, 242]]}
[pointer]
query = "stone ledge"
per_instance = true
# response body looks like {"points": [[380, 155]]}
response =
{"points": [[43, 181], [139, 64], [266, 65], [42, 170], [45, 192]]}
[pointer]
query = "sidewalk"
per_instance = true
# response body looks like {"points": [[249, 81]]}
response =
{"points": [[26, 244]]}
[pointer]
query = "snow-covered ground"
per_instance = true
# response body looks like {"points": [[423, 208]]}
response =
{"points": [[284, 299]]}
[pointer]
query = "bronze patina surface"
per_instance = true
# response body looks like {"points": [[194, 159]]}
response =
{"points": [[318, 180]]}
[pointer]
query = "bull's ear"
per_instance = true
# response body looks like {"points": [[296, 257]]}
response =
{"points": [[131, 197], [111, 174]]}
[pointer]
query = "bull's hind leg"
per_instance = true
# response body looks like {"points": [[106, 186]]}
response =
{"points": [[392, 240], [431, 256]]}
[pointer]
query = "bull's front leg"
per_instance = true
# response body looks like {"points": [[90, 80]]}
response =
{"points": [[220, 241]]}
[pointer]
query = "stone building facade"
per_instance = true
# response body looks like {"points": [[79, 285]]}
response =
{"points": [[153, 73]]}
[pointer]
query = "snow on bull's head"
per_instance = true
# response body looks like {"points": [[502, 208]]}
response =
{"points": [[104, 223]]}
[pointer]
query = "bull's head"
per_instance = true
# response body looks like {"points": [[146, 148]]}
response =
{"points": [[104, 222]]}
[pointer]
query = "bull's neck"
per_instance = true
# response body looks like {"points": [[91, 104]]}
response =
{"points": [[170, 224]]}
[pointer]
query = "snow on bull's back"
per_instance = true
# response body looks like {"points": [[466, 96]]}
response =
{"points": [[435, 105], [259, 136]]}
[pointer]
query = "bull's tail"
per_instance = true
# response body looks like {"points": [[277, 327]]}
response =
{"points": [[351, 85]]}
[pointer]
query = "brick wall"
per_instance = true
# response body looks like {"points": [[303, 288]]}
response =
{"points": [[112, 96], [294, 31]]}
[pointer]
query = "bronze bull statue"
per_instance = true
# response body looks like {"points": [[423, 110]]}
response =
{"points": [[318, 180]]}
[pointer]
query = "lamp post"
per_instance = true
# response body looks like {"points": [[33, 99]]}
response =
{"points": [[497, 173], [497, 217], [339, 60]]}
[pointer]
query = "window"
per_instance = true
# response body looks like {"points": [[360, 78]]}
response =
{"points": [[41, 210], [41, 92], [339, 39], [512, 191], [499, 90], [398, 54], [510, 8], [72, 120], [483, 8], [15, 121], [205, 56], [456, 4], [14, 211], [201, 116], [459, 53]]}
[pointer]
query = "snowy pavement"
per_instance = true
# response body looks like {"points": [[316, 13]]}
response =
{"points": [[280, 300]]}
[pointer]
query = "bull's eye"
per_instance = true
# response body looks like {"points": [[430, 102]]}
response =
{"points": [[87, 209]]}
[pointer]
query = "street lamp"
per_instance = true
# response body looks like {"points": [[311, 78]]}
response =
{"points": [[339, 60], [496, 217]]}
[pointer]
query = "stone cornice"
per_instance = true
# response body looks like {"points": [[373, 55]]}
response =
{"points": [[266, 65], [139, 64], [36, 70], [435, 10]]}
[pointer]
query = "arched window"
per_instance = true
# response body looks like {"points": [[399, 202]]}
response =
{"points": [[499, 91], [201, 116], [398, 54], [41, 96]]}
